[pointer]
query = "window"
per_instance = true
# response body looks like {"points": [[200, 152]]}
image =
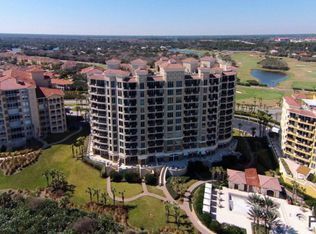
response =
{"points": [[178, 127], [170, 84], [170, 122], [179, 83], [170, 114], [170, 107], [141, 85], [169, 129], [178, 121], [178, 99], [178, 114], [170, 91], [170, 100], [179, 91], [178, 107]]}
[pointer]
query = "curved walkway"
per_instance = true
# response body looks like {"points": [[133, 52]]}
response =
{"points": [[46, 145], [130, 199]]}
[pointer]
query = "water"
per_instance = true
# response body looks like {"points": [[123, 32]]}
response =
{"points": [[269, 78]]}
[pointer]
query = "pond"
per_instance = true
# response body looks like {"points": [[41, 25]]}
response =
{"points": [[269, 78]]}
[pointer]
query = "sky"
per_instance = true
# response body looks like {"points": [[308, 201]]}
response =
{"points": [[158, 17]]}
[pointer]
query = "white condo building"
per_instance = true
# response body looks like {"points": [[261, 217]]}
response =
{"points": [[143, 116]]}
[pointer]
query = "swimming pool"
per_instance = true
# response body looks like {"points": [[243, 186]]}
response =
{"points": [[239, 204]]}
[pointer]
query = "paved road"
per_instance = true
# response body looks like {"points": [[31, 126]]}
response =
{"points": [[246, 125]]}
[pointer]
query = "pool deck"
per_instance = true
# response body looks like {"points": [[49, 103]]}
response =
{"points": [[288, 213]]}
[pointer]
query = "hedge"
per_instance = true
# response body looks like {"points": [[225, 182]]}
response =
{"points": [[173, 193], [286, 167]]}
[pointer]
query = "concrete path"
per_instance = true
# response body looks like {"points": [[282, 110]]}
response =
{"points": [[185, 206], [130, 199]]}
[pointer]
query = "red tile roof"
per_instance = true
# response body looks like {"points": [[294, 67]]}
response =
{"points": [[291, 101], [208, 59], [190, 60], [251, 176], [116, 72], [61, 82], [47, 92], [269, 183], [303, 112], [139, 62]]}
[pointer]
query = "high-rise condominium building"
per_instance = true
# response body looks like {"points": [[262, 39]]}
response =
{"points": [[178, 109], [28, 107], [298, 129]]}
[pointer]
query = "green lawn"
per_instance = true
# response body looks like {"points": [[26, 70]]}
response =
{"points": [[300, 75], [304, 85], [155, 190], [129, 188], [246, 62], [269, 96], [149, 213], [57, 157]]}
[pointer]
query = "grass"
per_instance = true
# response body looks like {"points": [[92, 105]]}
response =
{"points": [[58, 157], [149, 213], [155, 190], [246, 61], [130, 189], [269, 96], [301, 74]]}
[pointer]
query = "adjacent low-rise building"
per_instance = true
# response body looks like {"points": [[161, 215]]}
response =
{"points": [[143, 116], [250, 181], [298, 123], [29, 107]]}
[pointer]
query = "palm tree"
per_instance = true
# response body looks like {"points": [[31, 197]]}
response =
{"points": [[269, 210], [96, 192], [255, 213], [89, 191], [46, 174], [167, 208], [177, 215], [113, 192], [271, 218], [104, 198], [122, 194]]}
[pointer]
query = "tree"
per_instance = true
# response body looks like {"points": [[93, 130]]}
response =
{"points": [[122, 195], [90, 192], [46, 174], [151, 179], [113, 192], [167, 209], [176, 210], [96, 192], [104, 197]]}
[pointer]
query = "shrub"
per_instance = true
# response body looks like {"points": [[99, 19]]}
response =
{"points": [[103, 172], [132, 177], [116, 176], [151, 179], [253, 82], [286, 167], [173, 193]]}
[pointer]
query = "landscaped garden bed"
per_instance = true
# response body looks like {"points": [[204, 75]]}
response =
{"points": [[12, 162]]}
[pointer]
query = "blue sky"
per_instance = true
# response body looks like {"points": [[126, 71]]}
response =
{"points": [[158, 17]]}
